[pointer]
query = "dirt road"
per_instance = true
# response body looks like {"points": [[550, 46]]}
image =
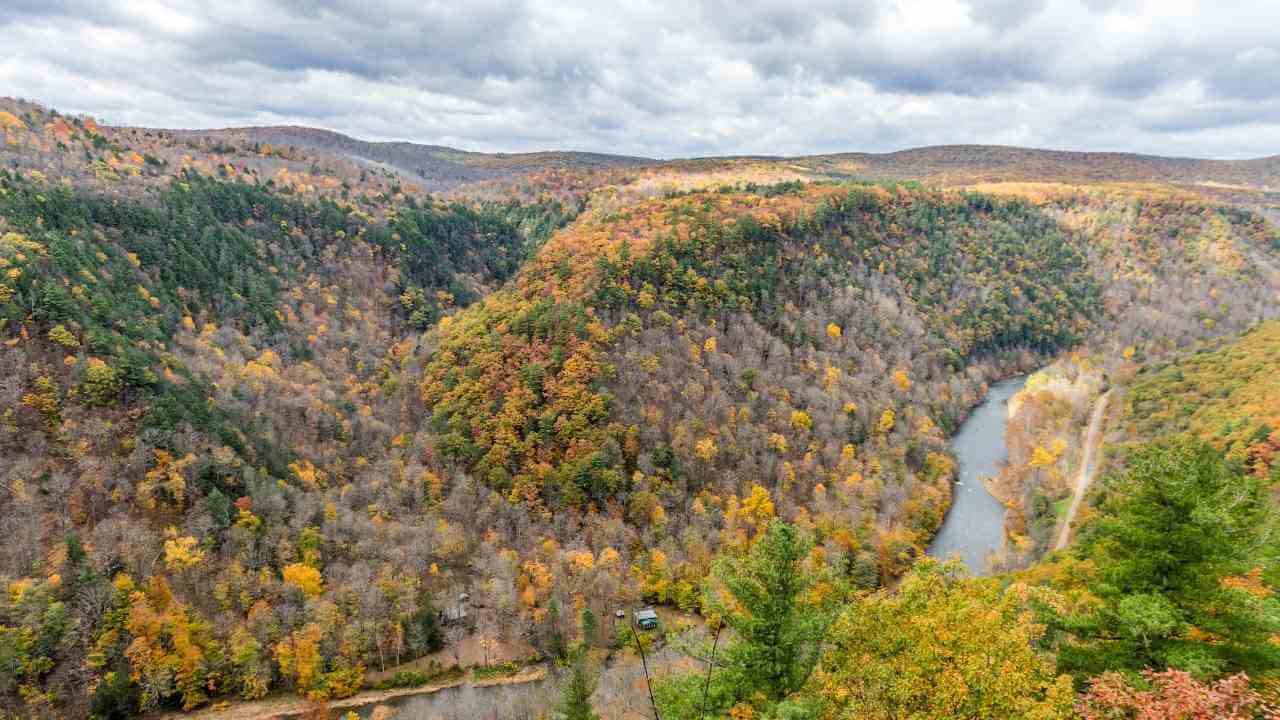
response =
{"points": [[1085, 476]]}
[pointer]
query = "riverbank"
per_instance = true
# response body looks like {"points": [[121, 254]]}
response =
{"points": [[284, 707], [1047, 438]]}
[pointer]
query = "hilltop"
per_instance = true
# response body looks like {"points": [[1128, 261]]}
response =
{"points": [[461, 173], [435, 167]]}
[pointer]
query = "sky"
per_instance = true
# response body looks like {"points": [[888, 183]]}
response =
{"points": [[672, 79]]}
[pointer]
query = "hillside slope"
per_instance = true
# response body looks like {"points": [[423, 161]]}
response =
{"points": [[1225, 393], [262, 410]]}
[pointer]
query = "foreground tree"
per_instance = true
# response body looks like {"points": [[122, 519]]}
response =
{"points": [[776, 604], [1183, 560], [941, 646], [1173, 695]]}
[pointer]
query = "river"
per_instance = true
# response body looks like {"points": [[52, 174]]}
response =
{"points": [[974, 526], [470, 702]]}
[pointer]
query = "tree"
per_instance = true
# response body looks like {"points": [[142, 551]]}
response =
{"points": [[304, 577], [170, 648], [425, 632], [589, 625], [941, 646], [115, 697], [102, 383], [777, 606], [575, 702], [1172, 695], [1180, 534], [181, 553]]}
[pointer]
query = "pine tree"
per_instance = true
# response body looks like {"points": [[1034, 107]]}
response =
{"points": [[1181, 535], [428, 634], [589, 626], [777, 630], [769, 598], [575, 701]]}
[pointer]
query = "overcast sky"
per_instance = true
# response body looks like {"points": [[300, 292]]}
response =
{"points": [[1171, 77]]}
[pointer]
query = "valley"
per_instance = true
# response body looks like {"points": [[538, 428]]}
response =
{"points": [[272, 400]]}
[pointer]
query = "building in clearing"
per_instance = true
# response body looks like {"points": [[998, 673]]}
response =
{"points": [[647, 619], [456, 614]]}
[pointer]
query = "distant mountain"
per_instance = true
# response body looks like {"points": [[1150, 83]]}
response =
{"points": [[986, 163], [440, 169], [434, 166]]}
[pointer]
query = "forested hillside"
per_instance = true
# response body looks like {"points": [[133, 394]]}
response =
{"points": [[1226, 394], [260, 421]]}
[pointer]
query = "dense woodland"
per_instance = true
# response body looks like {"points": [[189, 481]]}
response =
{"points": [[258, 428]]}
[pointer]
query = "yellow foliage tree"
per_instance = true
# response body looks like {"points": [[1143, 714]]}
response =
{"points": [[901, 379], [777, 442], [534, 583], [61, 335], [47, 401], [1041, 457], [655, 576], [168, 650], [757, 506], [306, 472], [299, 659], [9, 121], [101, 383], [706, 448], [831, 377], [939, 647], [167, 480], [181, 553], [304, 577]]}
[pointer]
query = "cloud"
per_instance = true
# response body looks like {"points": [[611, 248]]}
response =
{"points": [[672, 78]]}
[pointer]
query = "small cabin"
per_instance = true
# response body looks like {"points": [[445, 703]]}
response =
{"points": [[456, 614], [646, 619]]}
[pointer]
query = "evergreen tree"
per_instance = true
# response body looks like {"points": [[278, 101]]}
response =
{"points": [[1181, 552], [763, 599], [777, 608], [575, 702], [427, 633], [589, 626]]}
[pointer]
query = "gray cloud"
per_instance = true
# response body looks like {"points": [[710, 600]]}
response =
{"points": [[668, 79]]}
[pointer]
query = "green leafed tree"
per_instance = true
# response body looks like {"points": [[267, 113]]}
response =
{"points": [[776, 606], [579, 684], [1185, 555]]}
